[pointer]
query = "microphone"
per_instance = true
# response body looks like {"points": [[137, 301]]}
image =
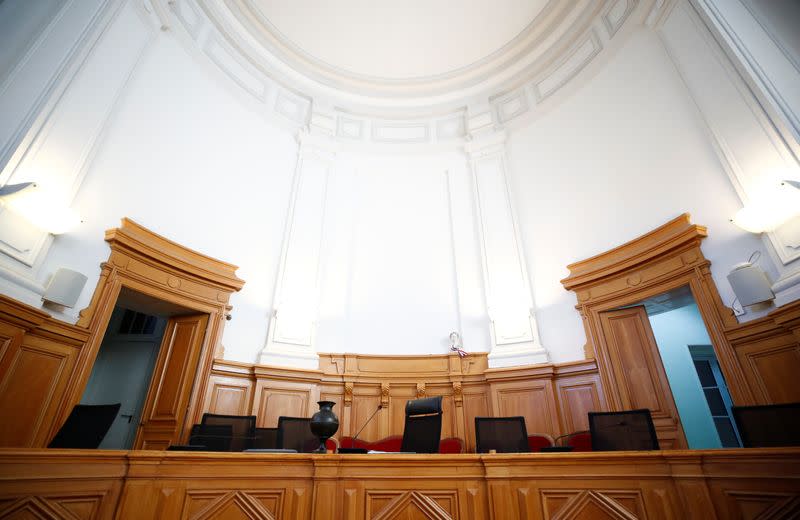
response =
{"points": [[378, 409]]}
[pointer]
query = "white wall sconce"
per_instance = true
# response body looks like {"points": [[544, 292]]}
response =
{"points": [[750, 284], [65, 287], [39, 208], [771, 211]]}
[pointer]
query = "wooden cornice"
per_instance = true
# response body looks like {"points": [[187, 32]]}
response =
{"points": [[334, 369], [675, 234], [21, 314], [40, 323], [288, 374], [138, 240], [779, 321], [526, 372]]}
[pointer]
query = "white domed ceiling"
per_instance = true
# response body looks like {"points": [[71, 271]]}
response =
{"points": [[397, 40], [412, 71]]}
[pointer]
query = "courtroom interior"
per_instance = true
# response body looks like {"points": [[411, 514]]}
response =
{"points": [[486, 259]]}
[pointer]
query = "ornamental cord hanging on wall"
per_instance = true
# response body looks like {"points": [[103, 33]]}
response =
{"points": [[455, 344]]}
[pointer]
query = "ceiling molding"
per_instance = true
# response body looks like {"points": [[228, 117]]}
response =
{"points": [[551, 52]]}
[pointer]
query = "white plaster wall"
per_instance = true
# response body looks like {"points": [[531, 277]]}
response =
{"points": [[401, 262], [624, 154], [183, 156]]}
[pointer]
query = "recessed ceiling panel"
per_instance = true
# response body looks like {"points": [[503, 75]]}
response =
{"points": [[398, 39]]}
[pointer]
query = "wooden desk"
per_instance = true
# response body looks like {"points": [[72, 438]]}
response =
{"points": [[705, 485]]}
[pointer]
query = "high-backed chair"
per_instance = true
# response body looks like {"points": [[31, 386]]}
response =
{"points": [[423, 427], [294, 433], [265, 439], [86, 426], [628, 430], [243, 428], [502, 434], [768, 426], [211, 437]]}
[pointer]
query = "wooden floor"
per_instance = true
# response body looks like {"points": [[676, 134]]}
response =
{"points": [[707, 484]]}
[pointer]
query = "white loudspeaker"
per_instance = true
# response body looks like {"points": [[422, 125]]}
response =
{"points": [[750, 284], [65, 287]]}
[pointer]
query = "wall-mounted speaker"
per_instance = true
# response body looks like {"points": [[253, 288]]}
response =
{"points": [[750, 284], [65, 287]]}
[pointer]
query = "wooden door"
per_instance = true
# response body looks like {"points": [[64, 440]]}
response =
{"points": [[637, 368], [167, 399]]}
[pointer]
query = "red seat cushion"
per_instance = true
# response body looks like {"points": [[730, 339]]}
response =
{"points": [[537, 442], [581, 441], [395, 442], [451, 445]]}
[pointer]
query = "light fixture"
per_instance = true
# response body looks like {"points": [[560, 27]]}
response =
{"points": [[41, 208], [771, 211], [750, 283], [13, 190]]}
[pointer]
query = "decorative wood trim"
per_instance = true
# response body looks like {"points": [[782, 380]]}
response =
{"points": [[150, 264], [624, 485], [651, 246], [358, 383], [37, 357], [663, 259]]}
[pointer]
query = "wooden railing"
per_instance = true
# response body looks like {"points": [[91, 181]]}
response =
{"points": [[623, 485]]}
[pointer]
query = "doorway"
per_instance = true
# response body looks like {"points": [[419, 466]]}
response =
{"points": [[148, 349], [696, 384]]}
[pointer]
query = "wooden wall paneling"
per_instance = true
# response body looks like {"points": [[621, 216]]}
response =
{"points": [[577, 396], [666, 258], [468, 390], [366, 399], [772, 366], [58, 484], [476, 404], [697, 484], [35, 373], [37, 358], [759, 492], [168, 394], [449, 416], [229, 395], [640, 375], [769, 352], [274, 399], [527, 392], [147, 263], [399, 395], [459, 418]]}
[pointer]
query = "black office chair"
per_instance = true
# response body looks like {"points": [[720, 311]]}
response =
{"points": [[768, 426], [618, 431], [294, 433], [503, 434], [211, 437], [86, 426], [423, 428], [242, 428], [265, 439]]}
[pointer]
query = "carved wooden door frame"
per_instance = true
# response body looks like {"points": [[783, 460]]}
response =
{"points": [[152, 265], [664, 259]]}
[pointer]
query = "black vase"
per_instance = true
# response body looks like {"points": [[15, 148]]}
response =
{"points": [[324, 423]]}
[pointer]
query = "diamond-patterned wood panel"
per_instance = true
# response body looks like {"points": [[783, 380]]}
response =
{"points": [[593, 505], [412, 505], [233, 505]]}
